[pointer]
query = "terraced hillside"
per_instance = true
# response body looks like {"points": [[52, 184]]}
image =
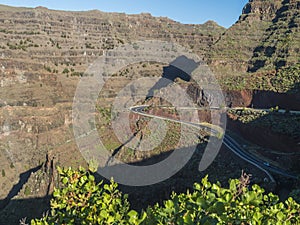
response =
{"points": [[231, 53], [280, 43], [261, 51], [43, 54]]}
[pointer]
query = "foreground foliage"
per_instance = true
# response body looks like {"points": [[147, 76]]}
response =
{"points": [[81, 201]]}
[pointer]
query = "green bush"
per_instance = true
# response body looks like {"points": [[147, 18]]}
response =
{"points": [[66, 70], [27, 191], [287, 79], [81, 201], [211, 204]]}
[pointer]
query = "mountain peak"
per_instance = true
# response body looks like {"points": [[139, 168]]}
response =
{"points": [[211, 23], [261, 9], [41, 7]]}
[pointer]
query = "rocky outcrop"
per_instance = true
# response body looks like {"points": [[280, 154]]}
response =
{"points": [[280, 44], [230, 55], [230, 98]]}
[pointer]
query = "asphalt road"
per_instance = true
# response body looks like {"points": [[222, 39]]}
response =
{"points": [[229, 142]]}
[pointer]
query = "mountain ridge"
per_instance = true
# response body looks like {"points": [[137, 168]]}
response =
{"points": [[98, 11], [231, 53]]}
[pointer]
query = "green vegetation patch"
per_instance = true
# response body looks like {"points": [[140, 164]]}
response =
{"points": [[284, 80], [81, 201], [287, 79], [286, 124]]}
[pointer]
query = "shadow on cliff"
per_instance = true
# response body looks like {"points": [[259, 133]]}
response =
{"points": [[181, 67], [140, 197], [23, 178], [276, 138], [18, 209], [268, 99], [279, 131], [12, 210]]}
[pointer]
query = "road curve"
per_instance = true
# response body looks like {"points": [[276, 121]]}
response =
{"points": [[228, 141]]}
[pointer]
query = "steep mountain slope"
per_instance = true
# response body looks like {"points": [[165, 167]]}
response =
{"points": [[280, 45], [231, 53]]}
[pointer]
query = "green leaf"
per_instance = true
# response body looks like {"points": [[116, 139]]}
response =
{"points": [[104, 214], [202, 202], [133, 213], [232, 185], [56, 193], [257, 216], [218, 208], [188, 219], [280, 216], [91, 178], [65, 180], [205, 182], [169, 204], [228, 197]]}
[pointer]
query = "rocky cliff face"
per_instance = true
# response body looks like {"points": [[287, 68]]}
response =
{"points": [[231, 53], [280, 43], [260, 10]]}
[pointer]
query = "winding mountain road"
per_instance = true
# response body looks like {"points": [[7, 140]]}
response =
{"points": [[228, 141]]}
